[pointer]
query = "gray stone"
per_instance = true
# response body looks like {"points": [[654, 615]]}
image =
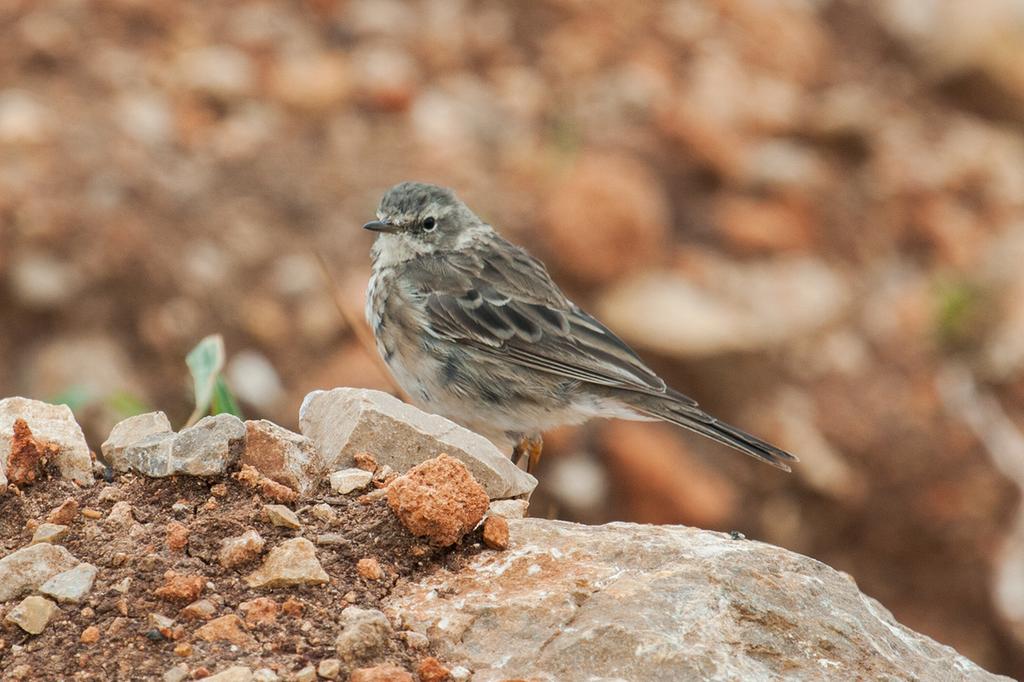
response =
{"points": [[329, 669], [151, 456], [265, 675], [32, 614], [209, 447], [53, 423], [364, 633], [700, 606], [71, 586], [293, 562], [307, 674], [344, 421], [121, 449], [29, 567], [178, 673], [49, 532], [284, 456], [347, 480]]}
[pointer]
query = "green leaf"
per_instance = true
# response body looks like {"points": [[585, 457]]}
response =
{"points": [[76, 397], [205, 362], [126, 404], [223, 400]]}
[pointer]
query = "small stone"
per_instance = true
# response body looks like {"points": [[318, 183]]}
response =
{"points": [[365, 633], [202, 609], [324, 513], [210, 447], [92, 513], [509, 509], [227, 628], [329, 668], [365, 461], [460, 673], [49, 532], [439, 500], [347, 480], [415, 640], [90, 635], [431, 670], [282, 516], [307, 674], [29, 567], [32, 614], [183, 588], [369, 568], [121, 515], [496, 532], [64, 514], [283, 456], [161, 624], [177, 536], [329, 539], [265, 675], [269, 488], [218, 490], [293, 607], [293, 562], [121, 450], [183, 649], [53, 424], [381, 673], [259, 612], [240, 549], [236, 673], [111, 494], [71, 586], [178, 673]]}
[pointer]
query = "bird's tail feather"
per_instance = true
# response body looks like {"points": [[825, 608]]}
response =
{"points": [[687, 415]]}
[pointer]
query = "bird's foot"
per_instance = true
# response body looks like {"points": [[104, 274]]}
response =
{"points": [[530, 447]]}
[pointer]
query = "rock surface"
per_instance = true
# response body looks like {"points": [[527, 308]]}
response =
{"points": [[29, 567], [700, 606], [32, 614], [71, 586], [209, 447], [123, 449], [51, 423], [345, 421]]}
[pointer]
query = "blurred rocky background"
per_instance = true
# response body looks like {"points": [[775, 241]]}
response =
{"points": [[807, 214]]}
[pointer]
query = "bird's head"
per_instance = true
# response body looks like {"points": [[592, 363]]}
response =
{"points": [[415, 218]]}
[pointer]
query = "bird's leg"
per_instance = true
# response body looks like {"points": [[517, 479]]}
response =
{"points": [[531, 447]]}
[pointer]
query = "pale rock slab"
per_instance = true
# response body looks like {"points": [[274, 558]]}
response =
{"points": [[53, 423], [293, 562], [71, 586], [29, 567], [32, 614], [626, 601], [283, 456], [347, 480], [344, 421], [141, 443]]}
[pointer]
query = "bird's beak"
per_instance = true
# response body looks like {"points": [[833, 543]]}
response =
{"points": [[378, 226]]}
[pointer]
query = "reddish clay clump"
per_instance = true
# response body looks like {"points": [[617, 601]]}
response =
{"points": [[439, 500], [28, 455]]}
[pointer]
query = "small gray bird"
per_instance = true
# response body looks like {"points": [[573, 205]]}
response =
{"points": [[473, 328]]}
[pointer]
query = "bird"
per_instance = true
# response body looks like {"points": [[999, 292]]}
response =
{"points": [[474, 329]]}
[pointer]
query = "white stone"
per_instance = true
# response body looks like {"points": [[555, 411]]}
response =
{"points": [[29, 567], [131, 446], [347, 480]]}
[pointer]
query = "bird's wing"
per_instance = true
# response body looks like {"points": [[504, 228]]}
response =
{"points": [[502, 301]]}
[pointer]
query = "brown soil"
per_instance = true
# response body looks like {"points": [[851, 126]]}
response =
{"points": [[130, 647]]}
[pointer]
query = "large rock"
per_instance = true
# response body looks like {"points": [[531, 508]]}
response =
{"points": [[625, 601], [209, 447], [29, 567], [145, 443], [54, 424], [345, 421]]}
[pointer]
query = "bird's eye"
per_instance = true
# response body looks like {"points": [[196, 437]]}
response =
{"points": [[429, 223]]}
